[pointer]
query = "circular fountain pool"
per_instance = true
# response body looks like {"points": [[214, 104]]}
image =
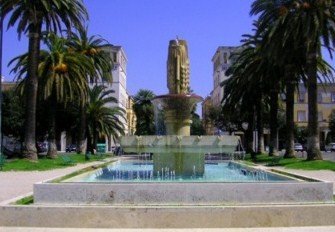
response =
{"points": [[142, 171]]}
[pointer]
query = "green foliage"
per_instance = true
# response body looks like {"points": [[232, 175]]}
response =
{"points": [[295, 163], [144, 111], [25, 201], [102, 119], [52, 13], [30, 17], [12, 114], [196, 126], [44, 163], [61, 72], [226, 120], [93, 47]]}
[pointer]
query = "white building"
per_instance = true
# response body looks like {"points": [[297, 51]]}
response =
{"points": [[221, 62], [119, 83]]}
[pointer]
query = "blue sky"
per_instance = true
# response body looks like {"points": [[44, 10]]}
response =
{"points": [[144, 27]]}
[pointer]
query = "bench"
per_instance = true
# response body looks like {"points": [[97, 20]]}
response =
{"points": [[67, 160]]}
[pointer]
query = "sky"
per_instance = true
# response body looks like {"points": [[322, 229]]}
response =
{"points": [[144, 28]]}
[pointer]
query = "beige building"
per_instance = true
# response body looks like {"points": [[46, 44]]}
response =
{"points": [[221, 62], [326, 103]]}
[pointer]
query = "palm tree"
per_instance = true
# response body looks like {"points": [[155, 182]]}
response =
{"points": [[301, 25], [62, 79], [93, 48], [144, 112], [31, 17], [250, 83], [102, 118]]}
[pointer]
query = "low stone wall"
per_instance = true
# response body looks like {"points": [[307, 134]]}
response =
{"points": [[167, 217], [182, 193]]}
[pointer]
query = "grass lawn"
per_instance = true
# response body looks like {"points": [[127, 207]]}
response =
{"points": [[295, 163], [45, 163]]}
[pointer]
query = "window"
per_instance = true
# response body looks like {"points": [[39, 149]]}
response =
{"points": [[333, 96], [320, 116], [302, 116], [301, 97], [319, 97]]}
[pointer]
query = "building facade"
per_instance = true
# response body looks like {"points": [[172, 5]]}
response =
{"points": [[221, 60], [326, 103]]}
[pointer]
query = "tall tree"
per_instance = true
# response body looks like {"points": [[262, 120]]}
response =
{"points": [[93, 48], [144, 111], [12, 114], [31, 17], [102, 119], [252, 76], [62, 79], [302, 25]]}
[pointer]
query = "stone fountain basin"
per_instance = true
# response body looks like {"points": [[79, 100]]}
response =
{"points": [[177, 143]]}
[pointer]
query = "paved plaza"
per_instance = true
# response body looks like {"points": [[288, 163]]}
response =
{"points": [[264, 229], [20, 183]]}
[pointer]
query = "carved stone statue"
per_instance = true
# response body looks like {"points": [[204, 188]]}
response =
{"points": [[178, 67]]}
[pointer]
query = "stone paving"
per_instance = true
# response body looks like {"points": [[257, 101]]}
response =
{"points": [[15, 184], [322, 175], [264, 229]]}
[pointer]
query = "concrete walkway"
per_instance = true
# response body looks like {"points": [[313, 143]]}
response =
{"points": [[322, 175], [264, 229], [14, 184]]}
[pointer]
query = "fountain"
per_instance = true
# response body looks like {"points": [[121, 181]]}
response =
{"points": [[178, 173], [178, 151], [178, 188]]}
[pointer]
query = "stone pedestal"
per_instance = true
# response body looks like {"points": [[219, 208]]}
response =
{"points": [[177, 124]]}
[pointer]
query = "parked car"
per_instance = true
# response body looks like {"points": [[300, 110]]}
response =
{"points": [[298, 147], [330, 147], [71, 148]]}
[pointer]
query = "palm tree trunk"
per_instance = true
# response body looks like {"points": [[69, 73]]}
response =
{"points": [[249, 133], [273, 148], [260, 126], [29, 148], [95, 138], [89, 141], [313, 140], [81, 142], [290, 87], [52, 149]]}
